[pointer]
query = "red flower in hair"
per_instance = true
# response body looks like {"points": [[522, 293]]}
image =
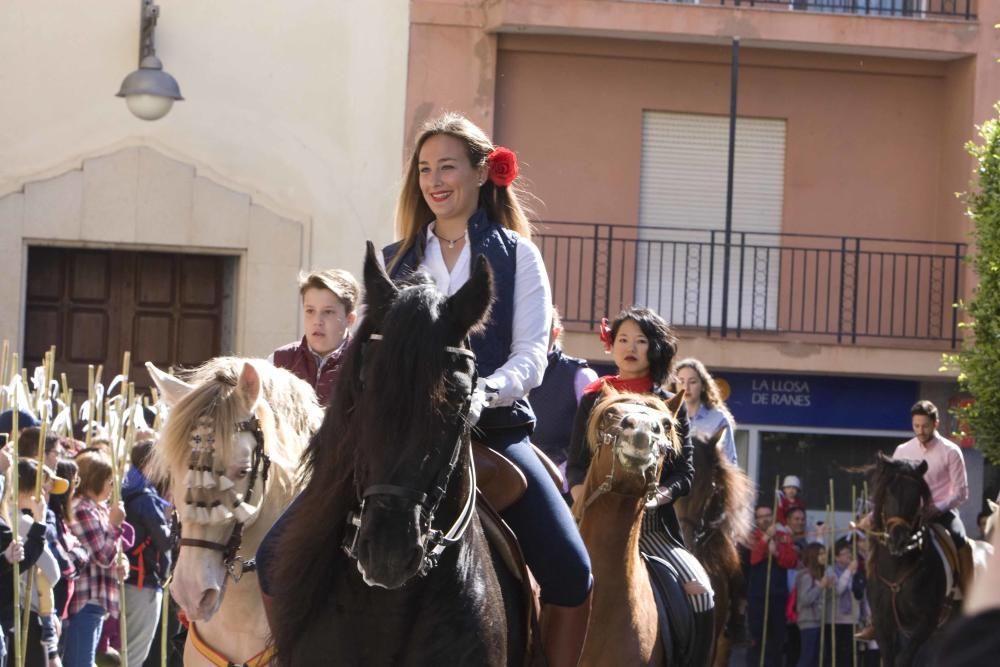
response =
{"points": [[502, 163], [606, 334]]}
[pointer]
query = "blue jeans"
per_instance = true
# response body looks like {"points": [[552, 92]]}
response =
{"points": [[83, 632]]}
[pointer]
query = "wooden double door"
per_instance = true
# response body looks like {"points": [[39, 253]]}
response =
{"points": [[93, 305]]}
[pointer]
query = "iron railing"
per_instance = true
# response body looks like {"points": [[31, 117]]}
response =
{"points": [[844, 289], [948, 9]]}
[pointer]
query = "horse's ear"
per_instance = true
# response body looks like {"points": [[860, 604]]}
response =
{"points": [[992, 505], [470, 304], [922, 468], [674, 404], [249, 386], [718, 436], [882, 458], [379, 290], [172, 389]]}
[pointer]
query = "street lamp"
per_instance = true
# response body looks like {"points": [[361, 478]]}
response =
{"points": [[149, 92]]}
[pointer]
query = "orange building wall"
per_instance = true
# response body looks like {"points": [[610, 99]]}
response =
{"points": [[867, 138]]}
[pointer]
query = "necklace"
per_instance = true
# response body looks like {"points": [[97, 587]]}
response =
{"points": [[451, 242]]}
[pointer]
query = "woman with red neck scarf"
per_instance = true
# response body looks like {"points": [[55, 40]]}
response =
{"points": [[643, 349]]}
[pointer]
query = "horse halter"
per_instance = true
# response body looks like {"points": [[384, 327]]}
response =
{"points": [[260, 465], [433, 541], [616, 437]]}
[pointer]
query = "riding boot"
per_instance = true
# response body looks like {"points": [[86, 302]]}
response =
{"points": [[564, 630]]}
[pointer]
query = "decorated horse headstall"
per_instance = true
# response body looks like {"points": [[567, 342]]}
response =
{"points": [[434, 541], [916, 528], [211, 497], [615, 436]]}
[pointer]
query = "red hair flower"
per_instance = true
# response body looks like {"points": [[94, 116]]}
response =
{"points": [[502, 164], [606, 334]]}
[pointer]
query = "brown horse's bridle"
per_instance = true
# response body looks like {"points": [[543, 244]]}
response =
{"points": [[260, 464], [434, 541], [613, 437]]}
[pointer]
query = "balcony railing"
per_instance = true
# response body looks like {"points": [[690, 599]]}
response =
{"points": [[948, 9], [843, 289]]}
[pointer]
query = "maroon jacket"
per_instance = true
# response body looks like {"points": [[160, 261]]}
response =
{"points": [[302, 362]]}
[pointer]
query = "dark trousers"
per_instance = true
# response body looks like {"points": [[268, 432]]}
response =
{"points": [[775, 640], [843, 638], [543, 524]]}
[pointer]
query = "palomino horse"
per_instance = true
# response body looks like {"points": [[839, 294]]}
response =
{"points": [[231, 447], [392, 483], [629, 436], [715, 518]]}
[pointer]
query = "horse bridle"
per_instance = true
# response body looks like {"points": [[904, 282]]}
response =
{"points": [[260, 463], [916, 529], [612, 436], [434, 541]]}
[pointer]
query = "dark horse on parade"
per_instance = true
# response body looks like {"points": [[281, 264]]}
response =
{"points": [[715, 518], [908, 584], [384, 559]]}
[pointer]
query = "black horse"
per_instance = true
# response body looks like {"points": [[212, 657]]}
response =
{"points": [[907, 579], [384, 557]]}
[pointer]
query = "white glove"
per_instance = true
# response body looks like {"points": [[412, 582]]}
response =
{"points": [[661, 498], [485, 395]]}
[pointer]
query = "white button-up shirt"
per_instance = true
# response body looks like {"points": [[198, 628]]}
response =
{"points": [[525, 367]]}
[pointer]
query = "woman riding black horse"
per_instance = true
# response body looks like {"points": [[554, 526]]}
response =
{"points": [[458, 202]]}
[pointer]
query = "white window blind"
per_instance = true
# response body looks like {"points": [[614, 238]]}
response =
{"points": [[679, 262]]}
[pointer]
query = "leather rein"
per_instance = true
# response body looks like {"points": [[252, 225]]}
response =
{"points": [[434, 540], [260, 465]]}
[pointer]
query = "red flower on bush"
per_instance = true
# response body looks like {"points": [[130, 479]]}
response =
{"points": [[502, 163], [606, 334]]}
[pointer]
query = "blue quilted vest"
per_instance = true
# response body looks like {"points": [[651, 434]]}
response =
{"points": [[492, 345], [555, 404]]}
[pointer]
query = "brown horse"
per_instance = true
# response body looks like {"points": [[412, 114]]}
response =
{"points": [[715, 517], [629, 436]]}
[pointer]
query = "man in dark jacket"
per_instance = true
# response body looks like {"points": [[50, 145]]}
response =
{"points": [[149, 557], [328, 302]]}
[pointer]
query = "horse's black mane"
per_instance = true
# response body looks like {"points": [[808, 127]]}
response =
{"points": [[888, 473]]}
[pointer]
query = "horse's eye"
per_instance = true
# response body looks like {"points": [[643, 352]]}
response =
{"points": [[244, 472]]}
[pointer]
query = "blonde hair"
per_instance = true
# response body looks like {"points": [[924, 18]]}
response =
{"points": [[343, 285], [502, 204], [710, 395]]}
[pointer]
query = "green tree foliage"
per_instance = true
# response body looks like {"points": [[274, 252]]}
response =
{"points": [[979, 360]]}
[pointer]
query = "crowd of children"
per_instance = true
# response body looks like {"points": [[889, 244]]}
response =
{"points": [[75, 546]]}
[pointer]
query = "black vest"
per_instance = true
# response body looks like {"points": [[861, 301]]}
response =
{"points": [[492, 345], [554, 402]]}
